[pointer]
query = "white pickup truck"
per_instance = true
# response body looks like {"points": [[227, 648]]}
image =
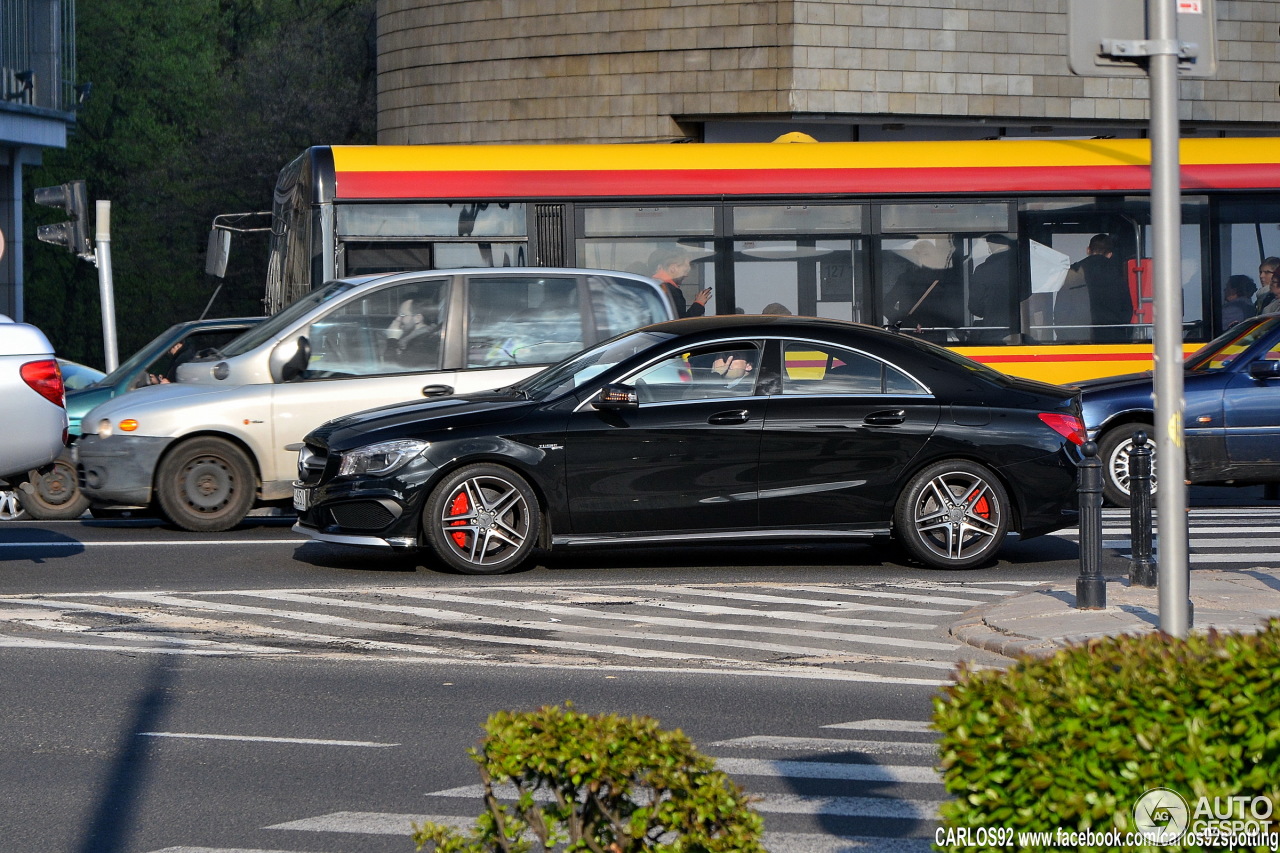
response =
{"points": [[34, 400]]}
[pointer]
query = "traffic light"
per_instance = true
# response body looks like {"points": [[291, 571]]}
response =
{"points": [[73, 234]]}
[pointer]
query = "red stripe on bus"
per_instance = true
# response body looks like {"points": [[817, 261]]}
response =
{"points": [[1063, 357], [701, 182]]}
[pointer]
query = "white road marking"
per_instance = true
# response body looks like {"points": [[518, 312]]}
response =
{"points": [[143, 542], [778, 599], [881, 807], [384, 823], [613, 632], [260, 739], [822, 744], [905, 773], [883, 726]]}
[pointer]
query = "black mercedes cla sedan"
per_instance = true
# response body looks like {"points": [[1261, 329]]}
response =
{"points": [[705, 430]]}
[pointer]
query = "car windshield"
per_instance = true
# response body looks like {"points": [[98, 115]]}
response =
{"points": [[1222, 350], [571, 374], [269, 329]]}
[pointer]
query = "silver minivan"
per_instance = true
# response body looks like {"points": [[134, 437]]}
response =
{"points": [[223, 438]]}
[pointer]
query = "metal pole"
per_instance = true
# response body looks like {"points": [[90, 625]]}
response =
{"points": [[1171, 490], [1142, 569], [1091, 586], [106, 288]]}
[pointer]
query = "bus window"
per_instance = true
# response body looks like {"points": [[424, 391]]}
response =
{"points": [[1248, 233], [813, 278]]}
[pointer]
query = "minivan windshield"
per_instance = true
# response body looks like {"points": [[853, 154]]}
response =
{"points": [[568, 375], [274, 326]]}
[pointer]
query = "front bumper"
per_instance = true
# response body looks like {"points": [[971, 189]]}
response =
{"points": [[368, 514], [119, 470]]}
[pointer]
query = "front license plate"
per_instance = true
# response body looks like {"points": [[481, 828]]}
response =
{"points": [[301, 499]]}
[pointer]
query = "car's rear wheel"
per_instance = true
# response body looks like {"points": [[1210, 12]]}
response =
{"points": [[54, 494], [11, 508], [1114, 449], [482, 520], [206, 485], [952, 515]]}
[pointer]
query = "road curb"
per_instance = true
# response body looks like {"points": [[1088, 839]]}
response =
{"points": [[972, 629]]}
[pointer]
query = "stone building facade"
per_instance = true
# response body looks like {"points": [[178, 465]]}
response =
{"points": [[534, 71]]}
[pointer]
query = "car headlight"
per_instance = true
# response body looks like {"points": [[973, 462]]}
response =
{"points": [[381, 458]]}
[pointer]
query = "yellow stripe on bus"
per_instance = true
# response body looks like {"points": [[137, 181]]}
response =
{"points": [[768, 155]]}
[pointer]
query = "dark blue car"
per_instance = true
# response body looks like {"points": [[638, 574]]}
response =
{"points": [[1232, 413]]}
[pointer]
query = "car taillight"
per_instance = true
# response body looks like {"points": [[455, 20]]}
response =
{"points": [[45, 379], [1068, 426]]}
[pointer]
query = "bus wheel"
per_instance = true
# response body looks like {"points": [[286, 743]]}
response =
{"points": [[206, 485], [54, 495], [1113, 449], [482, 520], [952, 515]]}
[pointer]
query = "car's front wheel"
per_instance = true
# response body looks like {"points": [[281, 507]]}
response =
{"points": [[1114, 449], [206, 485], [54, 495], [482, 520], [952, 515]]}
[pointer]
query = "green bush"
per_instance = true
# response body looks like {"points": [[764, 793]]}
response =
{"points": [[605, 784], [1074, 740]]}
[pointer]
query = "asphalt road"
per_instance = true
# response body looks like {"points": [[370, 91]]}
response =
{"points": [[159, 743]]}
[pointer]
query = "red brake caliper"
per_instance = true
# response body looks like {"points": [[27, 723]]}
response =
{"points": [[459, 507], [981, 508]]}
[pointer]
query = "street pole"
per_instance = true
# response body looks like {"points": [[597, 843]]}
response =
{"points": [[106, 288], [1166, 218]]}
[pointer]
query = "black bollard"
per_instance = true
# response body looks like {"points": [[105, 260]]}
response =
{"points": [[1142, 569], [1091, 586]]}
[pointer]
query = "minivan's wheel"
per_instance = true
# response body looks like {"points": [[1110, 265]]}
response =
{"points": [[952, 515], [1113, 449], [55, 493], [205, 484], [482, 519], [10, 507]]}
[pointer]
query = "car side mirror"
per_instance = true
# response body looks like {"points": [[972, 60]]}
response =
{"points": [[296, 366], [1265, 369], [617, 398]]}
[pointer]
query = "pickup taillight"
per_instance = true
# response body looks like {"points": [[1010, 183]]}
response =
{"points": [[45, 378]]}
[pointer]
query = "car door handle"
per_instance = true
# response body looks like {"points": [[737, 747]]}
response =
{"points": [[737, 416], [437, 390], [888, 417]]}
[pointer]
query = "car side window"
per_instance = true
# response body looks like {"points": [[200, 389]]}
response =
{"points": [[811, 368], [707, 373], [392, 330], [620, 305], [522, 320]]}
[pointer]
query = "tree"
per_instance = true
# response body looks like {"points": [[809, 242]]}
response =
{"points": [[192, 114]]}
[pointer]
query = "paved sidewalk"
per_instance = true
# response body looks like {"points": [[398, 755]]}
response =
{"points": [[1041, 621]]}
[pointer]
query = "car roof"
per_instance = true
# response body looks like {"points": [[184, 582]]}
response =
{"points": [[411, 275]]}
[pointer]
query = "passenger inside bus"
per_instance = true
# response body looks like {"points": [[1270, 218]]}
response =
{"points": [[928, 296], [1094, 304]]}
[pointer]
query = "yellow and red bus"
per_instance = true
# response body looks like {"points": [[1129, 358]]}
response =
{"points": [[986, 232]]}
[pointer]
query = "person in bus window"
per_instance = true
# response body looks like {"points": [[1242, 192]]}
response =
{"points": [[1273, 306], [990, 291], [1266, 274], [1237, 302], [1107, 287], [670, 266], [927, 296]]}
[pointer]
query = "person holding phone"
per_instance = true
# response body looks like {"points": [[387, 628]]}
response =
{"points": [[670, 266]]}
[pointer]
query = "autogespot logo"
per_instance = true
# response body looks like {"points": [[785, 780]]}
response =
{"points": [[1161, 816]]}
